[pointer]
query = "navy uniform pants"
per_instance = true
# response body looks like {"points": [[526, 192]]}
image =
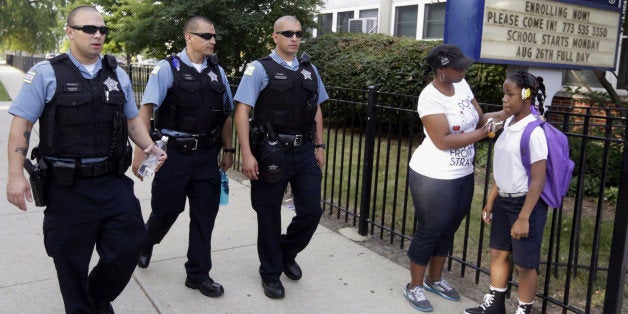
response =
{"points": [[196, 177], [304, 175], [97, 211]]}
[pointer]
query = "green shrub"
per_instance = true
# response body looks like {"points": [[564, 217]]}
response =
{"points": [[395, 64], [594, 161]]}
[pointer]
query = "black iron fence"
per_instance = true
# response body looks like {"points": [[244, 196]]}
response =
{"points": [[370, 138]]}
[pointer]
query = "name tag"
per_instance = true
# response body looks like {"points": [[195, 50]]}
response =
{"points": [[72, 87]]}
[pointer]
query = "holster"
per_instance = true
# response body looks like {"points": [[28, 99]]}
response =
{"points": [[64, 172], [271, 160], [38, 177], [255, 137]]}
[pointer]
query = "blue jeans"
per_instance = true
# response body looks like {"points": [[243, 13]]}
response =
{"points": [[439, 207]]}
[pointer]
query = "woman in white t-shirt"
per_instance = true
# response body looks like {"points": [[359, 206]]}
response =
{"points": [[441, 171], [515, 210]]}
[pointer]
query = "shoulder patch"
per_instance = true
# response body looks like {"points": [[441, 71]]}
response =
{"points": [[155, 69], [28, 78], [249, 70]]}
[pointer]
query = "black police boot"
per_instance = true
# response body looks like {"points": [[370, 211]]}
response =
{"points": [[209, 288], [273, 289], [494, 303], [292, 270]]}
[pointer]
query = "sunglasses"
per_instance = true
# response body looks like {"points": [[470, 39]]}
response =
{"points": [[289, 34], [206, 36], [91, 29]]}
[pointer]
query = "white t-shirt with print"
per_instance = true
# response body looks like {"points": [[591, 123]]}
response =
{"points": [[462, 117], [508, 171]]}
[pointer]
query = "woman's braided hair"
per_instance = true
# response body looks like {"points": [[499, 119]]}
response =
{"points": [[524, 80]]}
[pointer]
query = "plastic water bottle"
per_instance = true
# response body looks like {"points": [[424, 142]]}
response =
{"points": [[224, 188], [147, 169], [289, 202]]}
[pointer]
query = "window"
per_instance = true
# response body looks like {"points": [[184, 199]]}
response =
{"points": [[368, 13], [406, 21], [324, 23], [342, 25], [582, 78], [434, 21]]}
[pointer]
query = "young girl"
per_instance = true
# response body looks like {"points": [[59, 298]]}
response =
{"points": [[516, 211]]}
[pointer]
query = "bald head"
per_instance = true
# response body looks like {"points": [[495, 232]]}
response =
{"points": [[282, 21], [80, 9]]}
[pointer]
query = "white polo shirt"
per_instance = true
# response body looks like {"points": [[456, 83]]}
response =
{"points": [[508, 171]]}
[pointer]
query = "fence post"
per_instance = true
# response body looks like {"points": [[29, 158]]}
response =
{"points": [[367, 168], [616, 278]]}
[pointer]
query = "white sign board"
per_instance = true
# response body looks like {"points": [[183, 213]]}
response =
{"points": [[549, 32]]}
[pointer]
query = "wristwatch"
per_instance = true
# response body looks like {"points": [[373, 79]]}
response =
{"points": [[228, 150], [319, 146]]}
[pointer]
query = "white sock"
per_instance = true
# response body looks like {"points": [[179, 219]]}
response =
{"points": [[523, 303], [498, 289]]}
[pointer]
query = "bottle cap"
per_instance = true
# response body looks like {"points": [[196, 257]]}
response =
{"points": [[164, 138]]}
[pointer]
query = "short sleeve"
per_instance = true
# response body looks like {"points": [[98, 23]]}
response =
{"points": [[251, 84], [429, 103], [538, 145], [159, 81]]}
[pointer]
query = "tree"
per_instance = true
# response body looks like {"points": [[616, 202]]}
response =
{"points": [[244, 27], [31, 26]]}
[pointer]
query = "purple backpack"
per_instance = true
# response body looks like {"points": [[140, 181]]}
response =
{"points": [[559, 166]]}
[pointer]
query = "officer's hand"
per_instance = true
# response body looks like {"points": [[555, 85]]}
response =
{"points": [[156, 151], [18, 188], [226, 161], [138, 157], [250, 167], [320, 157]]}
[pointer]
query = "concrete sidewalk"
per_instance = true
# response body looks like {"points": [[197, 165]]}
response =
{"points": [[339, 275]]}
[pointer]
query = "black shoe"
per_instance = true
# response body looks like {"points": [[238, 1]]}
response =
{"points": [[273, 289], [494, 303], [145, 255], [523, 309], [292, 270], [208, 288], [104, 308]]}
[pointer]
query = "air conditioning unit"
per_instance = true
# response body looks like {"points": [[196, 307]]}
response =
{"points": [[363, 25]]}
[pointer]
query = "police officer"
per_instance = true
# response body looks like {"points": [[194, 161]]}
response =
{"points": [[286, 136], [86, 108], [189, 95]]}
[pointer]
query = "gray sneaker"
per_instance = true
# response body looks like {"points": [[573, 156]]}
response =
{"points": [[416, 297], [441, 288]]}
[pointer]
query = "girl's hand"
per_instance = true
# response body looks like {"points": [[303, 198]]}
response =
{"points": [[487, 214], [520, 228]]}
